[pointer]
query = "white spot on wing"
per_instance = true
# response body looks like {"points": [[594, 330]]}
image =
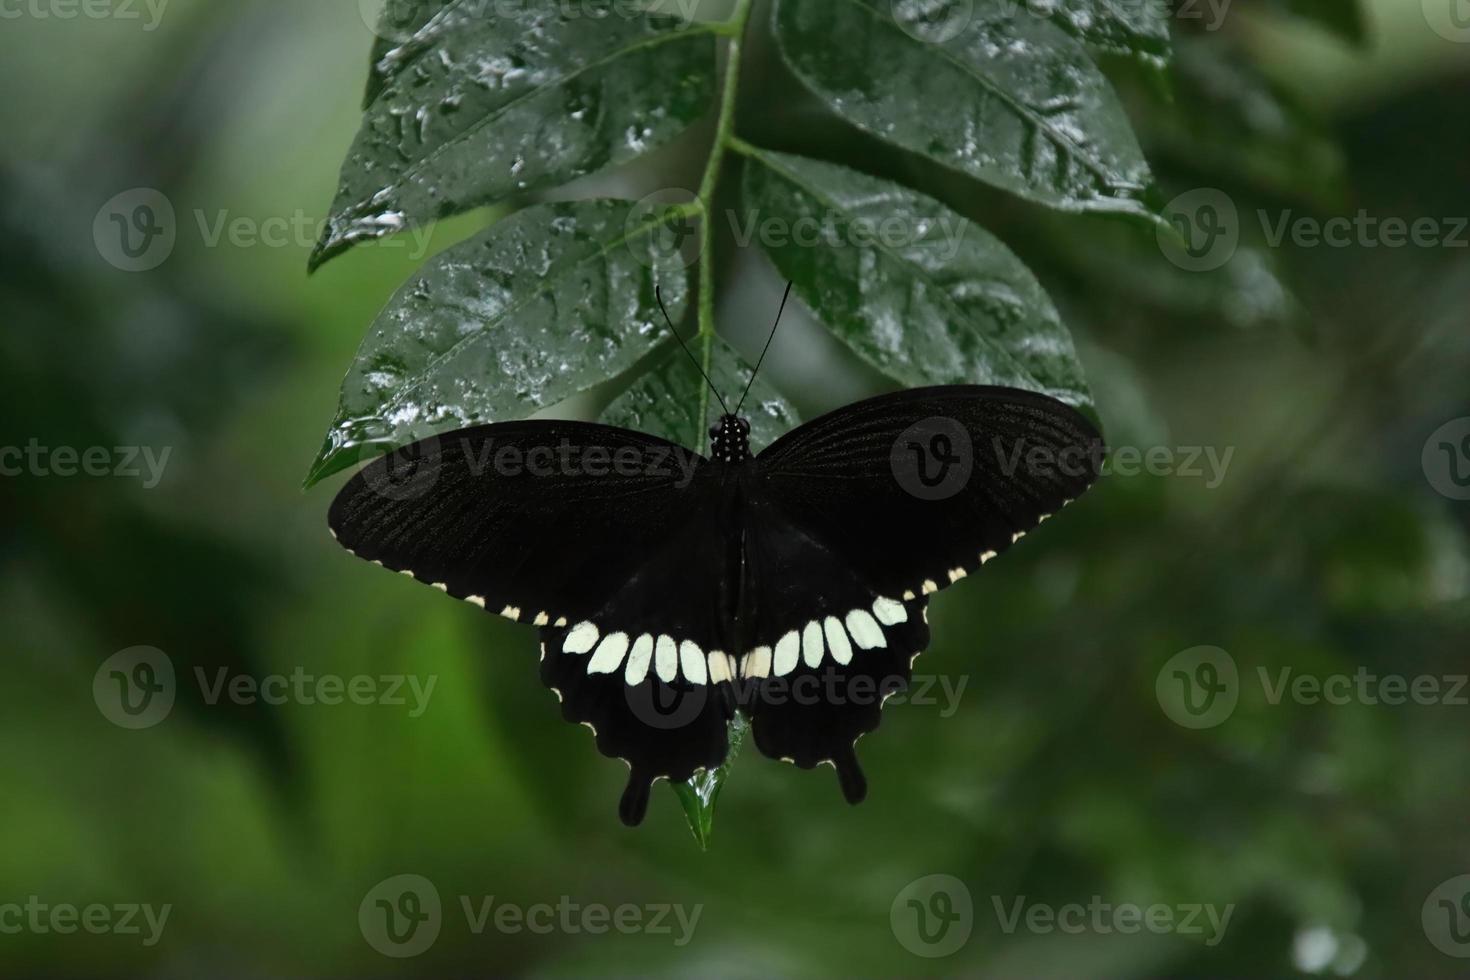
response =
{"points": [[865, 629], [757, 663], [511, 612], [666, 659], [811, 644], [930, 586], [638, 660], [609, 655], [691, 660], [986, 557], [719, 667], [788, 648], [837, 640], [477, 600], [955, 574], [542, 619], [890, 612], [582, 638]]}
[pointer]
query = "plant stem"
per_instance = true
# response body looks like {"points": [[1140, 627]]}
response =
{"points": [[708, 186]]}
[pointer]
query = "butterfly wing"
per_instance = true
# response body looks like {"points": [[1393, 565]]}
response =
{"points": [[855, 518], [607, 539]]}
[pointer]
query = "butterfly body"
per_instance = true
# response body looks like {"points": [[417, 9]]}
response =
{"points": [[673, 590]]}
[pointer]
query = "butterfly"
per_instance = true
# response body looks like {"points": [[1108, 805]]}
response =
{"points": [[673, 589]]}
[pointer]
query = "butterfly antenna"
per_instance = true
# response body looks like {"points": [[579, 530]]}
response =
{"points": [[672, 329], [769, 340]]}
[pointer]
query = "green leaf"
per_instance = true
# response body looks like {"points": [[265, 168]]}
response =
{"points": [[666, 401], [1128, 27], [919, 292], [399, 21], [546, 304], [475, 109], [699, 796], [997, 93]]}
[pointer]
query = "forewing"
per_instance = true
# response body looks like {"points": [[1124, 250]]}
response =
{"points": [[917, 489], [854, 519], [592, 533]]}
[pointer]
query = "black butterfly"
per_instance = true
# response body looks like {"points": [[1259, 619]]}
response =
{"points": [[672, 590]]}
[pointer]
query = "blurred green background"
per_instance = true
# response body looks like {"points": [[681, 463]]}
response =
{"points": [[1058, 777]]}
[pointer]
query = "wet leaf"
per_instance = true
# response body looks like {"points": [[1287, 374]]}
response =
{"points": [[399, 20], [485, 101], [919, 292], [550, 302], [699, 796], [666, 400], [1131, 27], [994, 92]]}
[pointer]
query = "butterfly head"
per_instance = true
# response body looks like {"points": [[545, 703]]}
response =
{"points": [[730, 439]]}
